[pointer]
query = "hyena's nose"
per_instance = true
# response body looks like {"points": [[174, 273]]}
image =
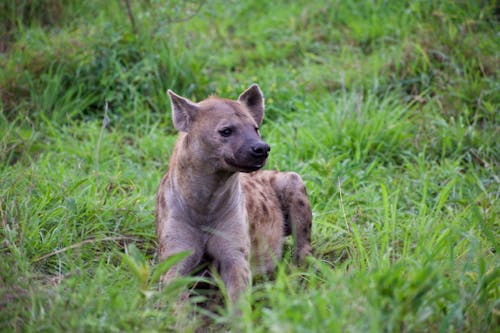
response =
{"points": [[260, 149]]}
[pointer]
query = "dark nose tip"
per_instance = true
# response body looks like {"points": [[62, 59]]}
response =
{"points": [[260, 149]]}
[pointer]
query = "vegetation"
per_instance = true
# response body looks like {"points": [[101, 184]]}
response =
{"points": [[388, 109]]}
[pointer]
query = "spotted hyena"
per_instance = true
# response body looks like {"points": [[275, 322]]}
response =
{"points": [[216, 203]]}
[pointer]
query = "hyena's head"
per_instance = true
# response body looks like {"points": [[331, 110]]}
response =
{"points": [[223, 133]]}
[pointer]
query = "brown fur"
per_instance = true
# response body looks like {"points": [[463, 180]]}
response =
{"points": [[213, 201]]}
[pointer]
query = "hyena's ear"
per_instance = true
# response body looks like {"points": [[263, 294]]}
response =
{"points": [[183, 111], [254, 100]]}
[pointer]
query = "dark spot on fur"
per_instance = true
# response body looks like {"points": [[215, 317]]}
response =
{"points": [[265, 210], [250, 205], [247, 188], [290, 193], [272, 181], [301, 203]]}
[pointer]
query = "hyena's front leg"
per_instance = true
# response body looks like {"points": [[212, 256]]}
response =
{"points": [[230, 250], [180, 238], [177, 237], [297, 209], [182, 268]]}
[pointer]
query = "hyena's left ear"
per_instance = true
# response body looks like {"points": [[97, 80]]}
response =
{"points": [[254, 100]]}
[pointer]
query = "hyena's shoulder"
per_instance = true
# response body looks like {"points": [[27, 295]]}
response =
{"points": [[261, 198], [265, 183], [260, 184], [270, 196]]}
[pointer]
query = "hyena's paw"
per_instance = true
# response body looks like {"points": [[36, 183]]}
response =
{"points": [[304, 252]]}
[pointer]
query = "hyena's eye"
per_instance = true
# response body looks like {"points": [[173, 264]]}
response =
{"points": [[225, 132]]}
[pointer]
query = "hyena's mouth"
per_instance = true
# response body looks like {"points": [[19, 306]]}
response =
{"points": [[246, 167]]}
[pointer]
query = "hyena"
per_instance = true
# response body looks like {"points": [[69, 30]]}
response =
{"points": [[216, 203]]}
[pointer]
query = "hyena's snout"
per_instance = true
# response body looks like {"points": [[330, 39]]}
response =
{"points": [[257, 153], [260, 150], [250, 156]]}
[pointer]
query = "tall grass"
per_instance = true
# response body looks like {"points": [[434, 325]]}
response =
{"points": [[389, 111]]}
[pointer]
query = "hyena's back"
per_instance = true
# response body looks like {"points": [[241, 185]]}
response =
{"points": [[275, 202]]}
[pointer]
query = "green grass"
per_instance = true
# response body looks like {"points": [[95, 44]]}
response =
{"points": [[389, 111]]}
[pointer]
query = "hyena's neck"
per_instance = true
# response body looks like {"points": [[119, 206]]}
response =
{"points": [[203, 190]]}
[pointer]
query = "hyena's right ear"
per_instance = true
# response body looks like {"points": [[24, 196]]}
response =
{"points": [[183, 111]]}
